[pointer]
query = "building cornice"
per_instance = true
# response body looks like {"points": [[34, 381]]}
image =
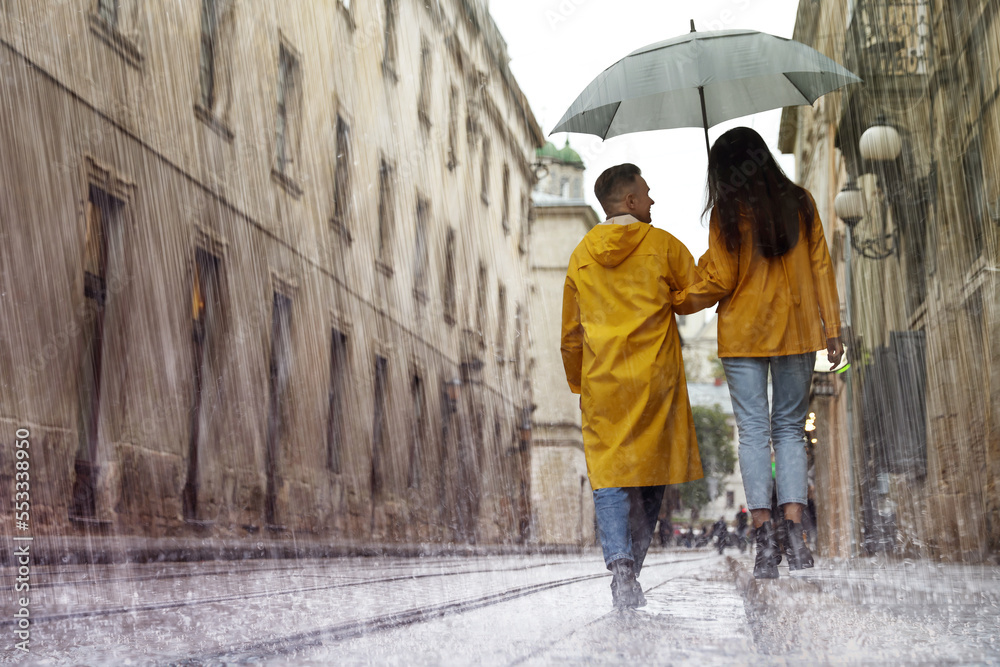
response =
{"points": [[585, 210]]}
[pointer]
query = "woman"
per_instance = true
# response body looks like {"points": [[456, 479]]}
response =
{"points": [[769, 268]]}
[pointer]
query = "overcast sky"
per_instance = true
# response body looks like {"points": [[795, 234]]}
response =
{"points": [[557, 47]]}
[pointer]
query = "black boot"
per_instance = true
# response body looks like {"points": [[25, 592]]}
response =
{"points": [[626, 593], [799, 556], [768, 556]]}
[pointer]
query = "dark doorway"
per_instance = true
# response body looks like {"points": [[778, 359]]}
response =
{"points": [[280, 369], [101, 213], [335, 423], [204, 320], [379, 428], [419, 427]]}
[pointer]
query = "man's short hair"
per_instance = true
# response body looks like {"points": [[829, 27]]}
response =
{"points": [[613, 181]]}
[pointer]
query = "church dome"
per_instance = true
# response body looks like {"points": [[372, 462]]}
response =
{"points": [[548, 150], [566, 155], [569, 156]]}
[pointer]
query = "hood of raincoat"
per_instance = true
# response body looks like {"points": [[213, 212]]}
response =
{"points": [[622, 354], [611, 244]]}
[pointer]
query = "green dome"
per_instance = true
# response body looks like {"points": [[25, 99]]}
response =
{"points": [[569, 155], [548, 150], [566, 155]]}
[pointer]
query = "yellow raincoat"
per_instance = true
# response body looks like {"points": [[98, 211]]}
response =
{"points": [[621, 352], [767, 307]]}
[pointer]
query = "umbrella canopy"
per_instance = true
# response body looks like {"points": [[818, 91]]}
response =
{"points": [[701, 79]]}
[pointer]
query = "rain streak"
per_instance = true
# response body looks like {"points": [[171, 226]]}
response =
{"points": [[369, 332]]}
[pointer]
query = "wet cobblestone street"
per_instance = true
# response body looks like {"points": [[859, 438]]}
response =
{"points": [[506, 610]]}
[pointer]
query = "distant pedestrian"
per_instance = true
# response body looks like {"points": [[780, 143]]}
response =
{"points": [[622, 355], [720, 533], [741, 519], [769, 264], [741, 528]]}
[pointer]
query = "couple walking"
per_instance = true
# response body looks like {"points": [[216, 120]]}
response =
{"points": [[768, 268]]}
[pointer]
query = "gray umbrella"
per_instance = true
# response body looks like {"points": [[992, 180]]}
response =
{"points": [[700, 79]]}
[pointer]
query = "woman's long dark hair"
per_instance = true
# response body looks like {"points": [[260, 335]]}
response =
{"points": [[744, 179]]}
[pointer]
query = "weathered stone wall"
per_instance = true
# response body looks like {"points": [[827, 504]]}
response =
{"points": [[952, 511], [120, 113], [563, 505]]}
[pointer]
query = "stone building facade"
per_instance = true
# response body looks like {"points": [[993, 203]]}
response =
{"points": [[562, 500], [908, 441], [263, 268]]}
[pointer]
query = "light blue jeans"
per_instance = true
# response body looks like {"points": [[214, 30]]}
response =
{"points": [[625, 520], [783, 424]]}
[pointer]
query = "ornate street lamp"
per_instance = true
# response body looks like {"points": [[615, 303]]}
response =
{"points": [[850, 207], [880, 144]]}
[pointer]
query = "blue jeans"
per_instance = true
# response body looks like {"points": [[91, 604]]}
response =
{"points": [[784, 424], [626, 517]]}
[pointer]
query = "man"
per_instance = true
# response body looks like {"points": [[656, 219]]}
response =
{"points": [[622, 354]]}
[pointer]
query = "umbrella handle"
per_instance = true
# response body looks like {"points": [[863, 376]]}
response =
{"points": [[704, 114]]}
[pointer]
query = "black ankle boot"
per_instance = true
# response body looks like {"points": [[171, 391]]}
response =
{"points": [[626, 593], [768, 556], [799, 556]]}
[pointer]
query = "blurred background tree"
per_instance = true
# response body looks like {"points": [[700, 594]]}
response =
{"points": [[718, 456]]}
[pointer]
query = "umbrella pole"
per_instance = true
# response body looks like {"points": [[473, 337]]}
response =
{"points": [[704, 117]]}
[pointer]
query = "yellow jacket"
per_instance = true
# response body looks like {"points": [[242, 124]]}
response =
{"points": [[769, 306], [621, 352]]}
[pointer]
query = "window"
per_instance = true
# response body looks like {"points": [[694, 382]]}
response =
{"points": [[730, 500], [453, 128], [288, 74], [419, 428], [481, 305], [385, 212], [278, 381], [449, 277], [214, 93], [501, 322], [342, 175], [115, 22], [420, 246], [389, 48], [518, 337], [975, 198], [101, 212], [424, 101], [961, 10], [209, 31], [522, 235], [339, 373], [976, 310], [484, 192], [205, 312], [108, 11], [379, 435], [505, 204], [472, 124]]}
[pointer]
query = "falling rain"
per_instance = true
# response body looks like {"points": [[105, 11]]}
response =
{"points": [[281, 308]]}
